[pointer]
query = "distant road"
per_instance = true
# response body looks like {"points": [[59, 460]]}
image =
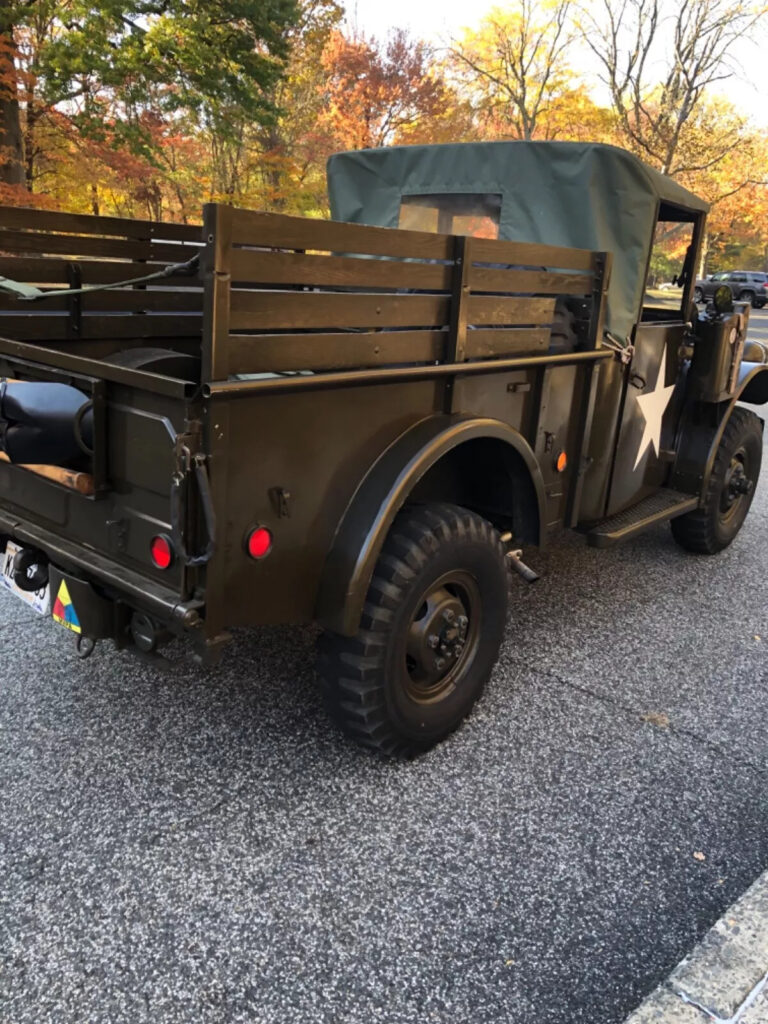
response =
{"points": [[758, 324]]}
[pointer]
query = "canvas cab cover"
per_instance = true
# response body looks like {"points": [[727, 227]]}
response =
{"points": [[581, 195]]}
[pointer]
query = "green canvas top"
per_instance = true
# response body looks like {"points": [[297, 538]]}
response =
{"points": [[582, 195]]}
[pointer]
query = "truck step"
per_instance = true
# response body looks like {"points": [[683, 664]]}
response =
{"points": [[657, 508]]}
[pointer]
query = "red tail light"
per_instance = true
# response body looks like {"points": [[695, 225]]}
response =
{"points": [[161, 550], [258, 543]]}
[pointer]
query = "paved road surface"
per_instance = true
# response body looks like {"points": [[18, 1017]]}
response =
{"points": [[203, 847]]}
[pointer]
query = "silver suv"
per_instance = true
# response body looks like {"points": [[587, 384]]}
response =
{"points": [[746, 286]]}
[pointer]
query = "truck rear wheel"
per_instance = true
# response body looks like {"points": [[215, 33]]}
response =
{"points": [[430, 634], [714, 525]]}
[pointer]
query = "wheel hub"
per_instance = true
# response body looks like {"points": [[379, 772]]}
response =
{"points": [[736, 484], [437, 640]]}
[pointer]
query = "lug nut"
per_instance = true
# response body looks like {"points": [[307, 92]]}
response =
{"points": [[439, 664], [463, 622], [433, 640], [449, 615]]}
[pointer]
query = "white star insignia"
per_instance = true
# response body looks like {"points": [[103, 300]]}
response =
{"points": [[653, 405]]}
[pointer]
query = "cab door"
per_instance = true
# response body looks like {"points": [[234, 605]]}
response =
{"points": [[653, 386]]}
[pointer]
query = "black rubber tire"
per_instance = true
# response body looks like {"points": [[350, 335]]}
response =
{"points": [[707, 529], [747, 295], [366, 679], [698, 295]]}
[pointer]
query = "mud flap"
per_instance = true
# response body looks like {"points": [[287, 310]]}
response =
{"points": [[77, 606]]}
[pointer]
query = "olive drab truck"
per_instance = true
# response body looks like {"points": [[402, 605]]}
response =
{"points": [[364, 422]]}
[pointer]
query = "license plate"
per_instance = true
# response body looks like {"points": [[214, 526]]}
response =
{"points": [[38, 600]]}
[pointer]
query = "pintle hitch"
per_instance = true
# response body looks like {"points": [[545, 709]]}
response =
{"points": [[517, 563], [84, 646]]}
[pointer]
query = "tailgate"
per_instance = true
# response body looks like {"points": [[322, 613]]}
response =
{"points": [[100, 521]]}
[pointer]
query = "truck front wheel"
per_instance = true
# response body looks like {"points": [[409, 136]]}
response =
{"points": [[712, 526], [430, 634]]}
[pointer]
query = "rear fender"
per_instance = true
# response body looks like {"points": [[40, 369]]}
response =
{"points": [[384, 490]]}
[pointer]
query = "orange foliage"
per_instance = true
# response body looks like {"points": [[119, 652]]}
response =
{"points": [[376, 91]]}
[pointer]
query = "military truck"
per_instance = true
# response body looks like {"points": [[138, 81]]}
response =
{"points": [[361, 423]]}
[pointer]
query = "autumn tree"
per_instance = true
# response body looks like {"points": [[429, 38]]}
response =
{"points": [[737, 190], [374, 91], [205, 55], [514, 67], [291, 149], [11, 141], [658, 108]]}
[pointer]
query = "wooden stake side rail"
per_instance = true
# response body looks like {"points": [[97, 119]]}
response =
{"points": [[55, 272], [54, 328], [286, 289], [25, 219], [279, 293], [58, 251]]}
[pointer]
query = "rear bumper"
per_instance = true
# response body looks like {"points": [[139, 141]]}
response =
{"points": [[122, 584]]}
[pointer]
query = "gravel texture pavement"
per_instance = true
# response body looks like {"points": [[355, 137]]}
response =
{"points": [[202, 846]]}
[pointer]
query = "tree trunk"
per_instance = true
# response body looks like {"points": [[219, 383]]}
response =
{"points": [[704, 255], [11, 141], [30, 148]]}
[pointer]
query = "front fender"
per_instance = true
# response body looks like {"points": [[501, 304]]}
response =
{"points": [[697, 443], [383, 491], [752, 385]]}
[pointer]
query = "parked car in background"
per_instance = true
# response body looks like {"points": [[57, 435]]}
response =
{"points": [[746, 285]]}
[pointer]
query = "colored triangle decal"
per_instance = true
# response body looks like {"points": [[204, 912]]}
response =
{"points": [[64, 611]]}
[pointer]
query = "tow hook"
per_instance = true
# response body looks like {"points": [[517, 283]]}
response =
{"points": [[517, 563], [84, 646]]}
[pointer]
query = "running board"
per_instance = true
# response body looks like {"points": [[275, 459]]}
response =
{"points": [[658, 508]]}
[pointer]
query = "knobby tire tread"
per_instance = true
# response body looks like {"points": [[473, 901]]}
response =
{"points": [[351, 669]]}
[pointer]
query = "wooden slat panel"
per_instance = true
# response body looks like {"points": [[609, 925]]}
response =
{"points": [[98, 348], [493, 309], [292, 310], [283, 232], [81, 245], [52, 328], [490, 344], [86, 224], [273, 352], [120, 300], [299, 269], [529, 254], [41, 270], [537, 282]]}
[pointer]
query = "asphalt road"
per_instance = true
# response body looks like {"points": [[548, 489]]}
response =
{"points": [[203, 847]]}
